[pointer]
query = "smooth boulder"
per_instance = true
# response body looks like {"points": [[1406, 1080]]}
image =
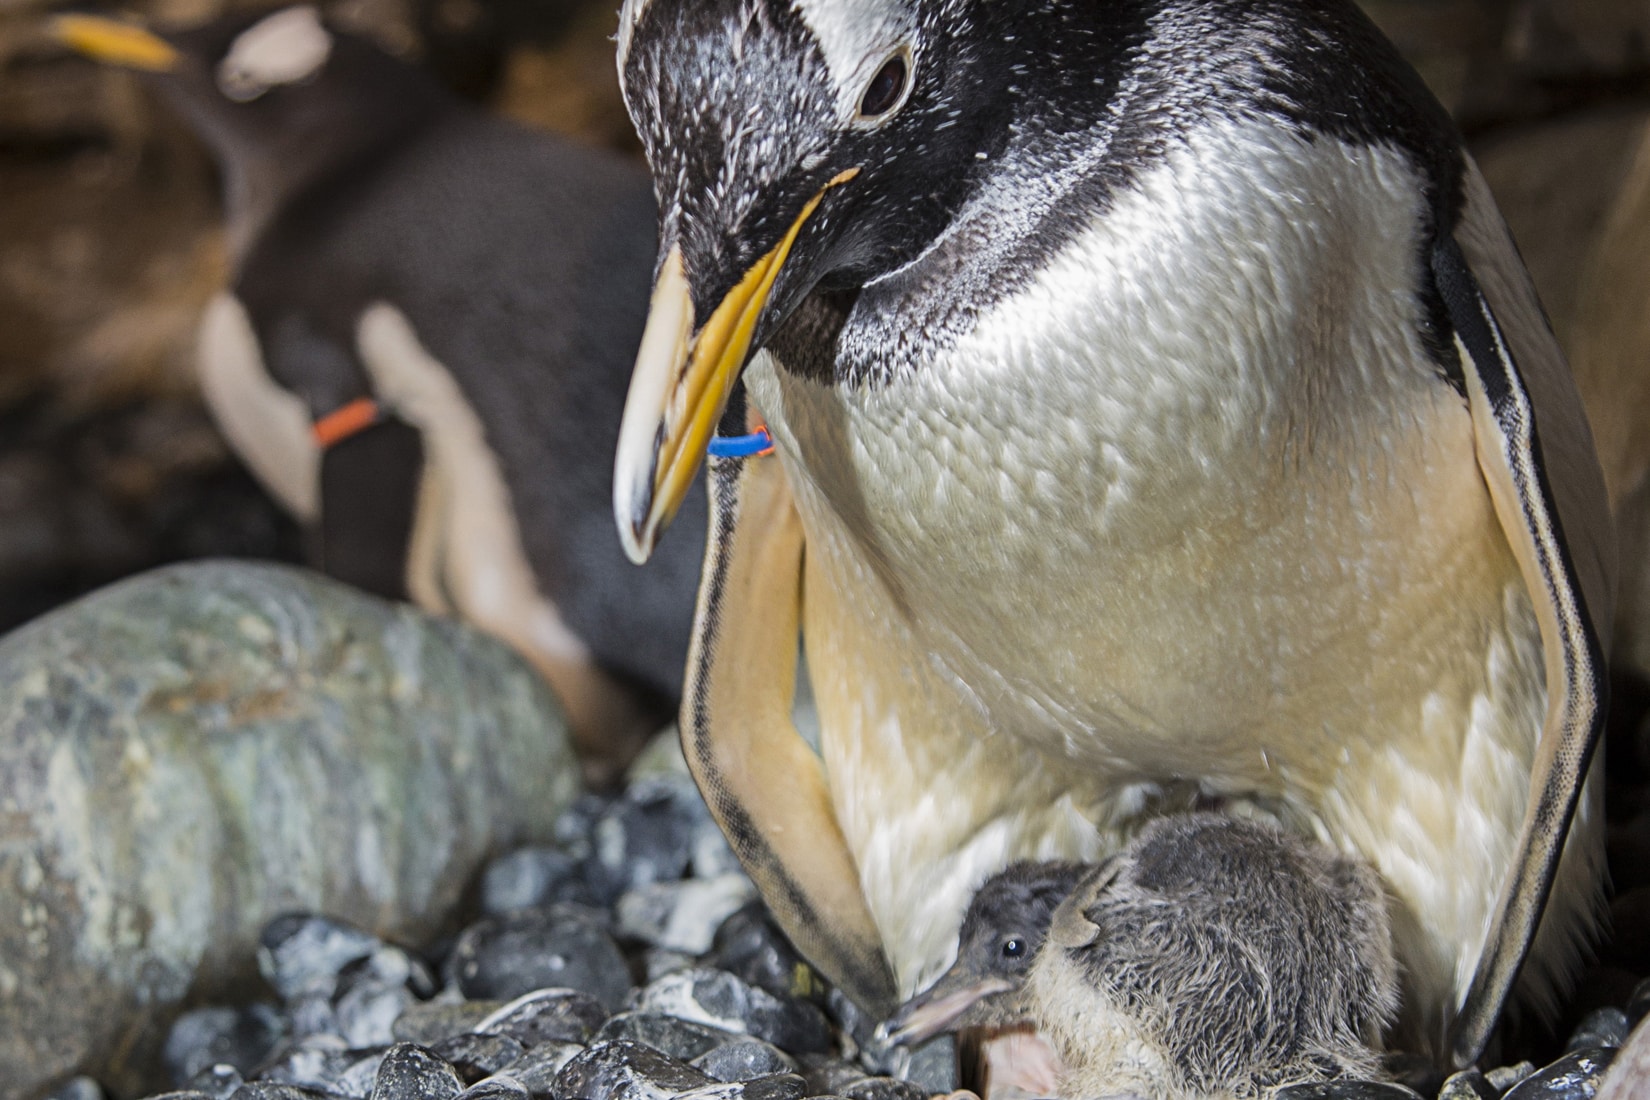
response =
{"points": [[187, 754]]}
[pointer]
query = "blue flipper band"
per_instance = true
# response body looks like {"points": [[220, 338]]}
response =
{"points": [[758, 442]]}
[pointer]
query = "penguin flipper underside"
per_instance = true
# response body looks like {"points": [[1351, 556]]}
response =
{"points": [[763, 783], [1535, 455]]}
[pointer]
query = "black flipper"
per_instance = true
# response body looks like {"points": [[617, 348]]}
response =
{"points": [[1511, 457]]}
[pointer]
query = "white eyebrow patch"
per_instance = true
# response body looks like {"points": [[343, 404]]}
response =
{"points": [[856, 37], [284, 48]]}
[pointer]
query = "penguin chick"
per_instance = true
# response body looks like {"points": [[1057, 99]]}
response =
{"points": [[424, 348], [1211, 957], [1002, 931]]}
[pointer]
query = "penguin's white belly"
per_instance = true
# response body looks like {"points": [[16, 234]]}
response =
{"points": [[1194, 505]]}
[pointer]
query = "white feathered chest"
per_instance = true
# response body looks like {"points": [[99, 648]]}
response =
{"points": [[1167, 498]]}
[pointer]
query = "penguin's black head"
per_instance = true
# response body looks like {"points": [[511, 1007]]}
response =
{"points": [[794, 144], [750, 109], [1002, 930], [280, 96]]}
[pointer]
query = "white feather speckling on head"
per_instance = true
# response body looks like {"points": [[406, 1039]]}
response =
{"points": [[285, 48], [629, 14]]}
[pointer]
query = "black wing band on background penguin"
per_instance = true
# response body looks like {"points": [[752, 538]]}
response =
{"points": [[1509, 452], [371, 472]]}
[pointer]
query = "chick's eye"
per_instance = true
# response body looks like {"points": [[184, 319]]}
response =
{"points": [[885, 89], [1013, 948]]}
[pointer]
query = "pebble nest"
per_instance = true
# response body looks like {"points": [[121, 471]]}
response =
{"points": [[630, 961]]}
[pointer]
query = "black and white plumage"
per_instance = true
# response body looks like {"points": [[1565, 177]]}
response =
{"points": [[1211, 957], [1161, 410], [485, 286]]}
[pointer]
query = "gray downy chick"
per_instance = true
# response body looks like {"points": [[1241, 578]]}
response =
{"points": [[1212, 957]]}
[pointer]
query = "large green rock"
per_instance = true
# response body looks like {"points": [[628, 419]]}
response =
{"points": [[192, 752]]}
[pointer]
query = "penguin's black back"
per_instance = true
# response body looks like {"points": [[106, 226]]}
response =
{"points": [[523, 263]]}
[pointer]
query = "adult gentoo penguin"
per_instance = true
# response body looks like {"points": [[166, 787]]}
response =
{"points": [[1211, 957], [426, 342], [1162, 416]]}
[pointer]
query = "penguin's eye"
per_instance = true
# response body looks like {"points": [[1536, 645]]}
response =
{"points": [[1013, 948], [886, 89]]}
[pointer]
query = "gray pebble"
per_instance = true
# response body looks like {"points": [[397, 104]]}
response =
{"points": [[566, 946], [183, 1094], [640, 838], [537, 1069], [477, 1056], [848, 1016], [657, 962], [826, 1074], [1602, 1027], [682, 916], [750, 945], [365, 1015], [573, 828], [358, 1079], [546, 1015], [1347, 1090], [932, 1065], [205, 1037], [311, 1015], [220, 1080], [530, 878], [775, 1086], [884, 1088], [301, 953], [723, 1000], [412, 1072], [77, 1088], [500, 1086], [271, 1090], [743, 1059], [310, 1065], [712, 854], [622, 1070], [672, 1035], [390, 965], [1469, 1084], [1503, 1078], [424, 1023], [843, 1078], [1573, 1077]]}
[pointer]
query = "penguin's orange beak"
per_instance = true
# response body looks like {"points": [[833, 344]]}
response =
{"points": [[115, 43], [681, 385]]}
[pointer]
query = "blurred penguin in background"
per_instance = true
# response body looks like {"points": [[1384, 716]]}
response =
{"points": [[425, 347]]}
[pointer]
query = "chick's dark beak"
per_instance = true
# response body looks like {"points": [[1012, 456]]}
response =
{"points": [[115, 43], [941, 1006], [681, 384]]}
